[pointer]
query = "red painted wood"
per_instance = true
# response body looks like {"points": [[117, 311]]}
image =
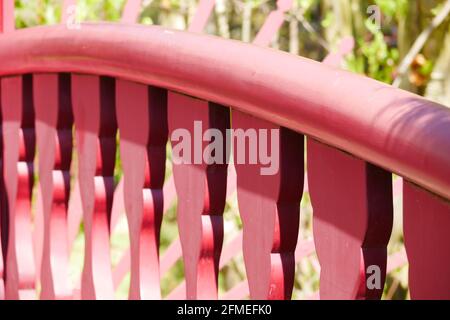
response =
{"points": [[241, 290], [273, 23], [352, 212], [426, 224], [173, 253], [202, 14], [118, 206], [270, 267], [269, 206], [75, 212], [123, 267], [142, 119], [54, 122], [131, 11], [335, 59], [201, 190], [66, 9], [152, 55], [394, 261], [18, 173], [130, 14], [7, 22], [3, 221], [93, 101]]}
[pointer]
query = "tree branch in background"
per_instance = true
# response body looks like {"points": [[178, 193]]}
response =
{"points": [[222, 20], [247, 21], [419, 44], [308, 27], [294, 45]]}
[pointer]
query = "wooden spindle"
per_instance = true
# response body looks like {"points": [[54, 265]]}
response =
{"points": [[201, 190], [95, 122], [18, 174], [273, 22], [426, 225], [54, 121], [204, 10], [199, 21], [352, 221], [3, 221], [269, 197], [131, 10], [142, 119], [7, 24], [67, 11], [274, 260]]}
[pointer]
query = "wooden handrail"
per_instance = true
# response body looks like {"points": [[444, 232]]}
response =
{"points": [[391, 128]]}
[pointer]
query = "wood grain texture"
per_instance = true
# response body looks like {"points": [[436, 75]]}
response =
{"points": [[54, 121], [142, 119], [269, 206], [352, 221], [18, 174], [201, 190], [426, 224], [93, 101]]}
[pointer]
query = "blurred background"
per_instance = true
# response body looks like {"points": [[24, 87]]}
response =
{"points": [[400, 42]]}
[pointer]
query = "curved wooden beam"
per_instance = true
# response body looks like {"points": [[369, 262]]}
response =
{"points": [[399, 131]]}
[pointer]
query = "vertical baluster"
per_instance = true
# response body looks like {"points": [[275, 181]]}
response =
{"points": [[426, 225], [201, 189], [19, 149], [273, 22], [131, 11], [142, 118], [274, 199], [54, 139], [352, 220], [74, 215], [130, 14], [95, 122], [3, 222], [7, 24], [66, 10], [202, 14], [74, 218], [269, 197]]}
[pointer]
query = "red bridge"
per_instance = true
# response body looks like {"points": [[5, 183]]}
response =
{"points": [[67, 93]]}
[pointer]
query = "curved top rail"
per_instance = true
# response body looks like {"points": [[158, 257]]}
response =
{"points": [[391, 128]]}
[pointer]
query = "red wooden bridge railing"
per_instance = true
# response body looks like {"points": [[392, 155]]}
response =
{"points": [[148, 82]]}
